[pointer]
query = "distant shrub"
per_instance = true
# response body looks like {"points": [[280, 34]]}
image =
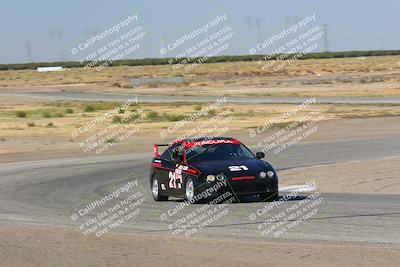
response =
{"points": [[31, 124], [211, 112], [50, 124], [117, 119], [46, 114], [197, 108], [20, 114], [59, 114], [174, 117], [112, 140], [69, 111], [89, 108], [152, 115]]}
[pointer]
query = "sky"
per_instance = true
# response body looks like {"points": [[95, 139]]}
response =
{"points": [[28, 27]]}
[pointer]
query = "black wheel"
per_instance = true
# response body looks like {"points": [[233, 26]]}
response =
{"points": [[269, 197], [190, 191], [155, 191]]}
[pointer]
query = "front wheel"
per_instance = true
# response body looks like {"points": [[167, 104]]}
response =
{"points": [[190, 191], [155, 191]]}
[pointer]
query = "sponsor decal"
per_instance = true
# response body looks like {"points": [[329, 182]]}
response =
{"points": [[212, 142]]}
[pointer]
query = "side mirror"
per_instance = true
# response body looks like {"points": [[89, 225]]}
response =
{"points": [[260, 155]]}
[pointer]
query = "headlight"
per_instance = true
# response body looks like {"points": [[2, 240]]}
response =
{"points": [[270, 174], [263, 174], [220, 177], [210, 178]]}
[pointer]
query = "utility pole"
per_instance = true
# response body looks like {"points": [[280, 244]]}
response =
{"points": [[325, 29]]}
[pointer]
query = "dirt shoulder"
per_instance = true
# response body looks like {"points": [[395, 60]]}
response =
{"points": [[363, 177], [33, 246]]}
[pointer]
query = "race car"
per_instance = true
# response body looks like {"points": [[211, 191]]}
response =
{"points": [[203, 168]]}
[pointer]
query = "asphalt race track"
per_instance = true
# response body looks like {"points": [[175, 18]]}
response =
{"points": [[48, 192], [88, 96]]}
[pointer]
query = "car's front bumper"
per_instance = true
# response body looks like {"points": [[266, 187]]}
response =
{"points": [[239, 188]]}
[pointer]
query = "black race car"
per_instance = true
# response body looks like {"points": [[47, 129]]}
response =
{"points": [[197, 169]]}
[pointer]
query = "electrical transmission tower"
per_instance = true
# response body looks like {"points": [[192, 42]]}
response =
{"points": [[289, 20], [325, 29], [59, 35], [255, 22]]}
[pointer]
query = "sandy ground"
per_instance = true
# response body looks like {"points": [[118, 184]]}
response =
{"points": [[34, 246], [26, 148], [370, 76], [364, 177]]}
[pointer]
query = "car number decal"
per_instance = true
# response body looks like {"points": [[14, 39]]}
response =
{"points": [[175, 178], [238, 168]]}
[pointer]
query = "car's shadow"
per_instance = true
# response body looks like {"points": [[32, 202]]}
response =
{"points": [[252, 199], [257, 199]]}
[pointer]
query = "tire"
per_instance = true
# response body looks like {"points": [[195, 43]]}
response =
{"points": [[269, 197], [190, 191], [155, 191]]}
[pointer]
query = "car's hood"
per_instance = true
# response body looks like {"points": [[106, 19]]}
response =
{"points": [[237, 167]]}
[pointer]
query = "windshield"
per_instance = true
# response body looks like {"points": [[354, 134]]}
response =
{"points": [[218, 152]]}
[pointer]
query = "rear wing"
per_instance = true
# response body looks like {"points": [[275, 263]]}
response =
{"points": [[155, 147]]}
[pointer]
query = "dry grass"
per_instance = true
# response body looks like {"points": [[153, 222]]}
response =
{"points": [[53, 133], [372, 76], [246, 116]]}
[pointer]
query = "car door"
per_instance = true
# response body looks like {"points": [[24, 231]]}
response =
{"points": [[171, 174]]}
